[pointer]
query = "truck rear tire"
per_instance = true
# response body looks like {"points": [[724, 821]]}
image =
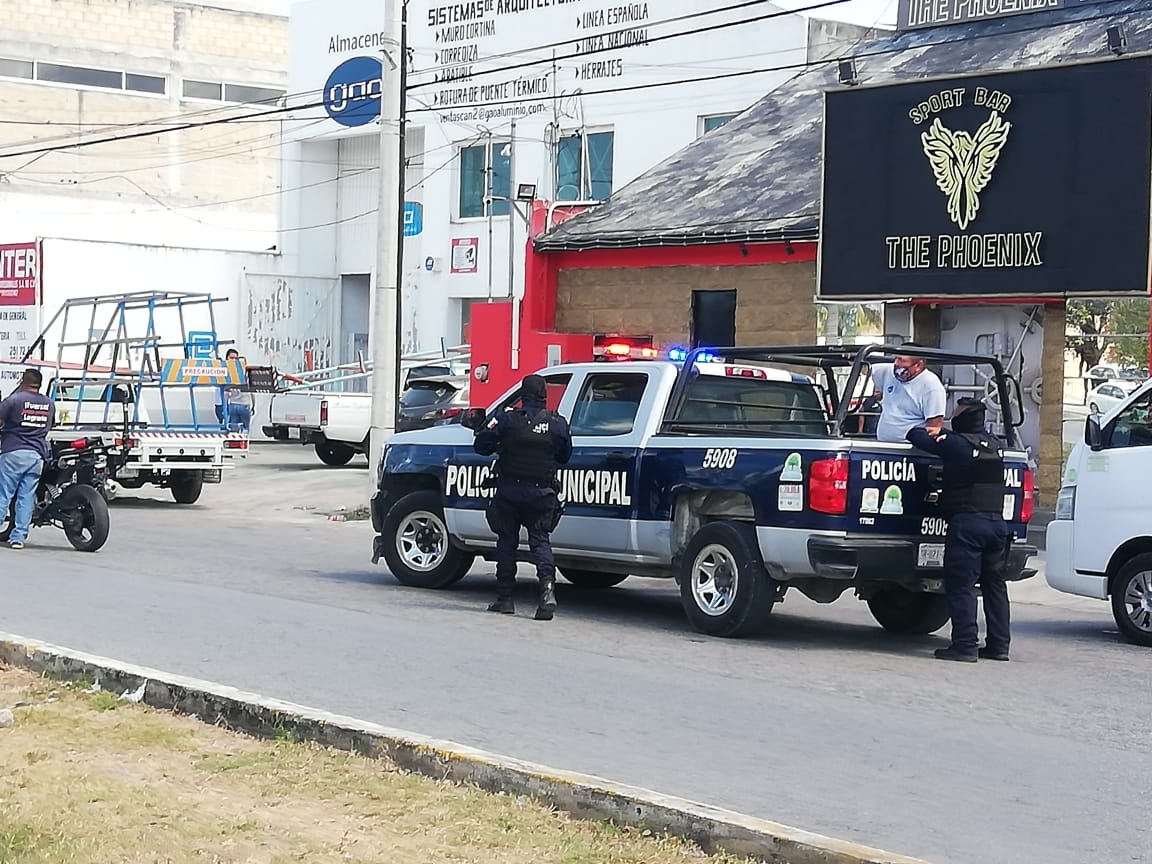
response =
{"points": [[186, 486], [1132, 600], [724, 587], [417, 547], [592, 578], [910, 613], [334, 453]]}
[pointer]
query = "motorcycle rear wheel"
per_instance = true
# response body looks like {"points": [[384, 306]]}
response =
{"points": [[9, 521], [84, 514]]}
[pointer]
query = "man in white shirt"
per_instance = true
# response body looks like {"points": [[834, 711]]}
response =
{"points": [[910, 395]]}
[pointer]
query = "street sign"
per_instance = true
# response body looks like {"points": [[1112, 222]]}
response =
{"points": [[429, 263], [201, 345], [413, 218], [218, 372], [352, 93]]}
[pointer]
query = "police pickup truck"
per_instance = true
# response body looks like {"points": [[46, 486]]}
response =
{"points": [[730, 472]]}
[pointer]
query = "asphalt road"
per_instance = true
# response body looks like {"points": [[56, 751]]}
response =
{"points": [[827, 724]]}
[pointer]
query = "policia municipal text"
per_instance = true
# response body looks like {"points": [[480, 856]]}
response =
{"points": [[977, 544], [530, 442]]}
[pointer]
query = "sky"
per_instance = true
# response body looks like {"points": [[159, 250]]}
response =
{"points": [[868, 13]]}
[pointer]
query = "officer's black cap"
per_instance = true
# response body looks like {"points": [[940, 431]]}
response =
{"points": [[534, 387], [969, 415]]}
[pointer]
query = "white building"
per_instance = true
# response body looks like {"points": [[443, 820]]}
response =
{"points": [[590, 86], [97, 196]]}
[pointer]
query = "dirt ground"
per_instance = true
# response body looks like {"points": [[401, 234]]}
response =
{"points": [[90, 778]]}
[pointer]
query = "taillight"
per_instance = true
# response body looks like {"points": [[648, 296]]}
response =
{"points": [[828, 486], [1029, 505], [324, 412], [236, 444], [80, 444]]}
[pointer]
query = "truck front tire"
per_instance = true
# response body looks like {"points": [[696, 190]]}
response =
{"points": [[910, 613], [334, 453], [1132, 600], [724, 587], [416, 545]]}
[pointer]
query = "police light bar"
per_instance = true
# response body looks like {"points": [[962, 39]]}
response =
{"points": [[615, 348], [679, 355]]}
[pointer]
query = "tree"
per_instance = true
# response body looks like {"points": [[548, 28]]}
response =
{"points": [[1128, 324], [1086, 322]]}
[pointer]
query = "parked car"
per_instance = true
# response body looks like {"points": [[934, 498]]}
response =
{"points": [[432, 401], [1107, 396]]}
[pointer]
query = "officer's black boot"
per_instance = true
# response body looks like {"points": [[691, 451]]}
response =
{"points": [[547, 607], [503, 604]]}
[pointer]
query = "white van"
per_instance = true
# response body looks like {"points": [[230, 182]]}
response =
{"points": [[1100, 544]]}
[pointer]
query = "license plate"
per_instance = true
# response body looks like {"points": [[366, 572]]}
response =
{"points": [[930, 555], [294, 433]]}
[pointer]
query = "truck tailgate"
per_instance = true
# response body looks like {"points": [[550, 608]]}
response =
{"points": [[296, 409]]}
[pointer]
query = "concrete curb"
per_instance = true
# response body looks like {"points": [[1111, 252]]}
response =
{"points": [[580, 795]]}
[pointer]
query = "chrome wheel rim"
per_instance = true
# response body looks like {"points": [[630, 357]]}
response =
{"points": [[1138, 601], [715, 580], [422, 540]]}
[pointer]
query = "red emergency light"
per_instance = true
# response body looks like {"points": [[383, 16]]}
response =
{"points": [[614, 348]]}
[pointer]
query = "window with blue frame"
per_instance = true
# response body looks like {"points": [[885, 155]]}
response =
{"points": [[476, 162], [585, 175], [709, 124]]}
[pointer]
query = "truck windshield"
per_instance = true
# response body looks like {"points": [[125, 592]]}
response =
{"points": [[422, 393], [753, 405]]}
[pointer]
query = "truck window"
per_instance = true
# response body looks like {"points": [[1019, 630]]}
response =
{"points": [[609, 403], [1133, 426], [557, 385], [754, 405]]}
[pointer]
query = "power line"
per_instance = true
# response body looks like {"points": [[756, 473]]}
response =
{"points": [[676, 20], [800, 66]]}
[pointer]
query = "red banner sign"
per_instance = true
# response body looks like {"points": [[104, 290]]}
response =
{"points": [[19, 274]]}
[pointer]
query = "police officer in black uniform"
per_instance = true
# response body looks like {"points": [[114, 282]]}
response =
{"points": [[976, 548], [531, 441]]}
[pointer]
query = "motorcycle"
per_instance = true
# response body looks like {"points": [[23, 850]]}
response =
{"points": [[68, 494]]}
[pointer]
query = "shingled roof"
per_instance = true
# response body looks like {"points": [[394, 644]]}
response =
{"points": [[757, 179]]}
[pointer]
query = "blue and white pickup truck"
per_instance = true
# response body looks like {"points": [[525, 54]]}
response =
{"points": [[730, 472]]}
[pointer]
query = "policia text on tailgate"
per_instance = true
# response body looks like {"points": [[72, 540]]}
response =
{"points": [[727, 472]]}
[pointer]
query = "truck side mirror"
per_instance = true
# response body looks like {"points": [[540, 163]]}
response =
{"points": [[1093, 434], [473, 418]]}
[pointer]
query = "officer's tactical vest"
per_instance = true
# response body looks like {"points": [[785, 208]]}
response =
{"points": [[985, 492], [527, 452]]}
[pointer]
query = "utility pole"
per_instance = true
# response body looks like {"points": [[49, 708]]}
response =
{"points": [[385, 332], [512, 215]]}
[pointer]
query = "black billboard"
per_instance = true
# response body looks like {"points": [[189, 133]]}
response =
{"points": [[1019, 184]]}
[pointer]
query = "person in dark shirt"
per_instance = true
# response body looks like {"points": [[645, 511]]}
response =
{"points": [[25, 418], [531, 441], [976, 546]]}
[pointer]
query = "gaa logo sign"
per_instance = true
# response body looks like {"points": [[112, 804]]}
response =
{"points": [[352, 94]]}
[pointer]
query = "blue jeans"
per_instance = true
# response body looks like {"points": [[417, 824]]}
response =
{"points": [[239, 418], [19, 473]]}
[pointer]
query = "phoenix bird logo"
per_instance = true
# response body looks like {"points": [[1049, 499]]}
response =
{"points": [[963, 163]]}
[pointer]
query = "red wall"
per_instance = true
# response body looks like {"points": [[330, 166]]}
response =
{"points": [[491, 326]]}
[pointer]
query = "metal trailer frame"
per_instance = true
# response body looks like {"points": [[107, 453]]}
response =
{"points": [[115, 336], [829, 358]]}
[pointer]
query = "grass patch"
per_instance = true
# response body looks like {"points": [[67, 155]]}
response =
{"points": [[90, 779]]}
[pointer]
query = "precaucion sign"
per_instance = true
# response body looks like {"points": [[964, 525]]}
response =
{"points": [[218, 372]]}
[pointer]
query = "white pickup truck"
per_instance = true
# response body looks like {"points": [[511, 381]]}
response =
{"points": [[180, 459], [336, 424]]}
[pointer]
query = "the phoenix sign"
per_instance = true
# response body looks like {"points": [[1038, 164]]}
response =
{"points": [[1018, 184]]}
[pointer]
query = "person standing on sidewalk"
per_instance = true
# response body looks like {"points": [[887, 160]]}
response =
{"points": [[25, 418], [976, 547]]}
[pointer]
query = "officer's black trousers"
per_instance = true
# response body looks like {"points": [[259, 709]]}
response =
{"points": [[533, 508], [976, 551]]}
